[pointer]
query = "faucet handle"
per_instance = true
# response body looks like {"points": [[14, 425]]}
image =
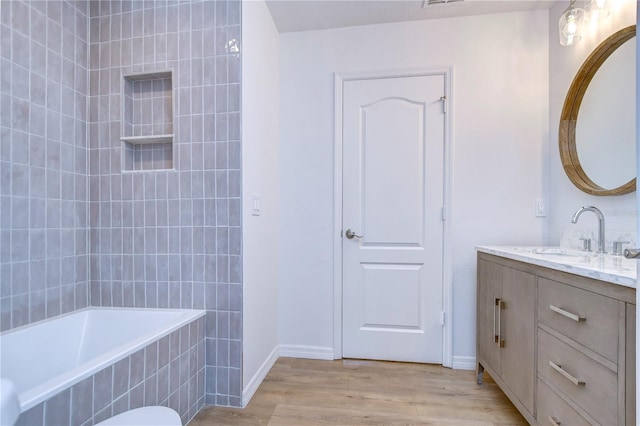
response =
{"points": [[617, 247], [586, 243]]}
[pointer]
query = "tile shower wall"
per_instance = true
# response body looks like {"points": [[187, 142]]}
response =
{"points": [[171, 238], [44, 230]]}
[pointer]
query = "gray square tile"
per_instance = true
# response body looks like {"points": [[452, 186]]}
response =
{"points": [[151, 390], [151, 359], [57, 410], [121, 375], [104, 414], [121, 405], [33, 416], [137, 368], [82, 401]]}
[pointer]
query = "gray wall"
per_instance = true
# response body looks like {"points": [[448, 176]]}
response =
{"points": [[43, 152], [171, 238], [70, 214]]}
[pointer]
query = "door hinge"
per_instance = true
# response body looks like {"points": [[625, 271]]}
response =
{"points": [[442, 318], [444, 103], [444, 212]]}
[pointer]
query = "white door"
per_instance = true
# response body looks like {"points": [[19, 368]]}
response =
{"points": [[392, 279]]}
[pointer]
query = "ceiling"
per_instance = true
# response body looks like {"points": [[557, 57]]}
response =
{"points": [[305, 15]]}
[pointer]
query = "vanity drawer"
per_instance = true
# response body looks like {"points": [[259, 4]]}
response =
{"points": [[588, 318], [585, 381], [553, 410]]}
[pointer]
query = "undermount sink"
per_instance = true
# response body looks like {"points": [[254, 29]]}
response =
{"points": [[556, 251]]}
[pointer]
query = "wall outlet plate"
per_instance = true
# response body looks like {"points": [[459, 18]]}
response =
{"points": [[541, 207]]}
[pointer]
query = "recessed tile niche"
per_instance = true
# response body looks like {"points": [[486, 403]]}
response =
{"points": [[147, 121]]}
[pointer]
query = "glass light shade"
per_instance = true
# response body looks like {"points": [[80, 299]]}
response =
{"points": [[570, 25], [597, 10]]}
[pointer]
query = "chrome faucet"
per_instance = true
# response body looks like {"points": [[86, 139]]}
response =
{"points": [[598, 213]]}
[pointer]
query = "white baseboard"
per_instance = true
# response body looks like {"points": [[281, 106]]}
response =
{"points": [[464, 363], [256, 380], [308, 352]]}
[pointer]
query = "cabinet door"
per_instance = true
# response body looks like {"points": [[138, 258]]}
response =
{"points": [[489, 289], [518, 332], [630, 366]]}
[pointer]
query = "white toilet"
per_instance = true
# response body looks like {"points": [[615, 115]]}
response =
{"points": [[145, 416], [9, 405]]}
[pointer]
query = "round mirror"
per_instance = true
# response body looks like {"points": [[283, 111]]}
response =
{"points": [[597, 124]]}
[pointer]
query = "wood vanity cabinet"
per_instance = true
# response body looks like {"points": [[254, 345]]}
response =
{"points": [[506, 331], [560, 346]]}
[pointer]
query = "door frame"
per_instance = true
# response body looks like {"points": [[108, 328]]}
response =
{"points": [[447, 268]]}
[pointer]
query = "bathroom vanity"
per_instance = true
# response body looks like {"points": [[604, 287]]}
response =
{"points": [[556, 331]]}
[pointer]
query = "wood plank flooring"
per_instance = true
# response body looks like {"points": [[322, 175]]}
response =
{"points": [[352, 392]]}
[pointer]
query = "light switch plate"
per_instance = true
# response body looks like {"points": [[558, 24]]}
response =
{"points": [[255, 200]]}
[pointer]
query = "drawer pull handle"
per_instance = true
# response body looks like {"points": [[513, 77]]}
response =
{"points": [[554, 422], [496, 306], [503, 305], [499, 305], [567, 314], [568, 376]]}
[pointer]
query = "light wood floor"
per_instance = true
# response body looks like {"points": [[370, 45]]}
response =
{"points": [[349, 392]]}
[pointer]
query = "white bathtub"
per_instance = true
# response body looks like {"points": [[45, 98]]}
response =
{"points": [[47, 357]]}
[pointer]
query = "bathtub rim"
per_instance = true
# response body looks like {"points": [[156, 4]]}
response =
{"points": [[42, 392]]}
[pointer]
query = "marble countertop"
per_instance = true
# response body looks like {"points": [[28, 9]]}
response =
{"points": [[613, 269]]}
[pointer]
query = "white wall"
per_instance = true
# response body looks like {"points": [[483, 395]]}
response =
{"points": [[260, 175], [499, 140], [564, 198]]}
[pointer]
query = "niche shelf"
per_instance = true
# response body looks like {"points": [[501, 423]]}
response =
{"points": [[141, 140], [147, 121]]}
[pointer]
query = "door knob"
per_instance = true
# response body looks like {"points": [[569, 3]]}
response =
{"points": [[632, 253], [350, 234]]}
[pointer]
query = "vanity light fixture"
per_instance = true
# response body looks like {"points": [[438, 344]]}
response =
{"points": [[570, 24], [597, 10]]}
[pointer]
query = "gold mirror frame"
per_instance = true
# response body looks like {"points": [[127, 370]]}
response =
{"points": [[569, 116]]}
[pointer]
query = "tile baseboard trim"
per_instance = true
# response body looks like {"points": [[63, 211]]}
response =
{"points": [[256, 380], [464, 363], [308, 352]]}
